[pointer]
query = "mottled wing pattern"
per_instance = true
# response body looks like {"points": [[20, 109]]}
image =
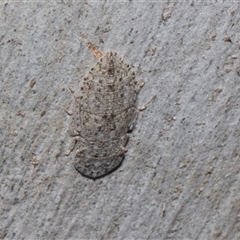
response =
{"points": [[105, 111]]}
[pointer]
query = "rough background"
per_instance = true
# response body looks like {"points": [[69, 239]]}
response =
{"points": [[180, 178]]}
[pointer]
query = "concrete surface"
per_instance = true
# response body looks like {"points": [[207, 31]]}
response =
{"points": [[181, 175]]}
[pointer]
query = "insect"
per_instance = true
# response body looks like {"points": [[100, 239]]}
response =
{"points": [[105, 112]]}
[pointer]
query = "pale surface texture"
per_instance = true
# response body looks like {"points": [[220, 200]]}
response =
{"points": [[180, 178]]}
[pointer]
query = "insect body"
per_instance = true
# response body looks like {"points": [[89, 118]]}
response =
{"points": [[105, 111]]}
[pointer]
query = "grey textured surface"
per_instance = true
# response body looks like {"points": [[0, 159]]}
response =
{"points": [[180, 178]]}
